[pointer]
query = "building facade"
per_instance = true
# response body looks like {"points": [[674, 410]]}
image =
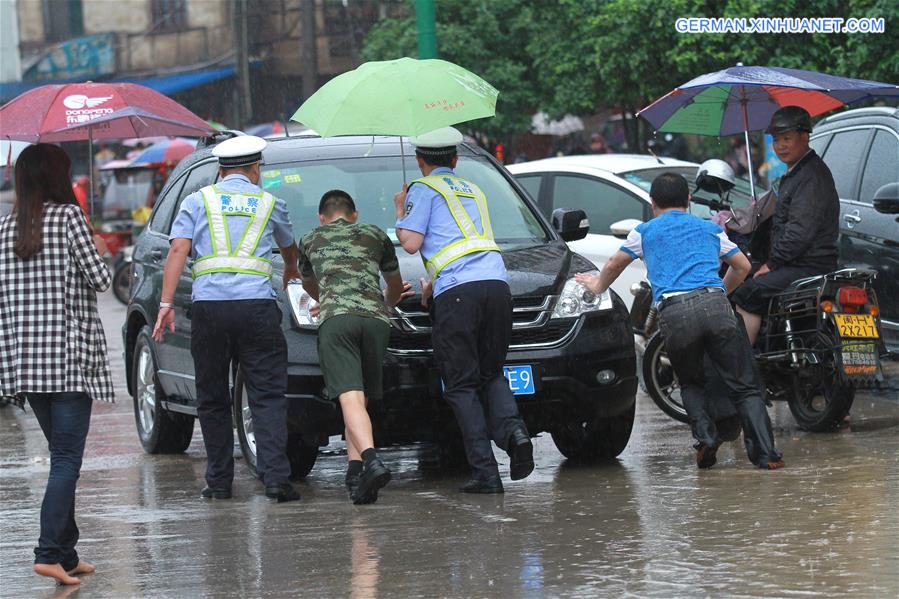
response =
{"points": [[188, 49]]}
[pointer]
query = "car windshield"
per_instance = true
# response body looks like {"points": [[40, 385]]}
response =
{"points": [[127, 190], [372, 182], [739, 195]]}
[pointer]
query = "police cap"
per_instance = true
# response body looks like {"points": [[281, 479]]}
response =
{"points": [[790, 118], [438, 142], [242, 150]]}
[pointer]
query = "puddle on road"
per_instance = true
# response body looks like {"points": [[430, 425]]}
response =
{"points": [[649, 525]]}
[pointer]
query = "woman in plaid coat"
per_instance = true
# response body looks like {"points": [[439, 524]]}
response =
{"points": [[52, 345]]}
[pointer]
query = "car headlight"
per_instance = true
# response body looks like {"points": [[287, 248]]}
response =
{"points": [[577, 299], [302, 304]]}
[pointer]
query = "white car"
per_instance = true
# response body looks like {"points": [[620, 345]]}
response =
{"points": [[613, 190]]}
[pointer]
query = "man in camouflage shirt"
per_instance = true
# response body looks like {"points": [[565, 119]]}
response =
{"points": [[340, 262]]}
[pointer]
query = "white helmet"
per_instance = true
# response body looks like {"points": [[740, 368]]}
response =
{"points": [[715, 176]]}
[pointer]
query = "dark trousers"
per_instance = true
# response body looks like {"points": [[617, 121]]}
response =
{"points": [[472, 329], [705, 325], [65, 419], [248, 331]]}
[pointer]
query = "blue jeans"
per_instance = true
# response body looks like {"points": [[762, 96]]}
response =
{"points": [[65, 419]]}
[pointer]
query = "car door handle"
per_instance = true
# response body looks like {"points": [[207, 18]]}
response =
{"points": [[155, 255], [852, 217]]}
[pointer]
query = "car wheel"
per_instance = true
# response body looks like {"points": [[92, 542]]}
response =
{"points": [[661, 382], [595, 439], [160, 431], [302, 457]]}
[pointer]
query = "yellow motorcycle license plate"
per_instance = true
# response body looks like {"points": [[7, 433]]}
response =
{"points": [[857, 325]]}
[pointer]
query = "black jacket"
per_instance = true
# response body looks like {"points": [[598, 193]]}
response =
{"points": [[806, 222]]}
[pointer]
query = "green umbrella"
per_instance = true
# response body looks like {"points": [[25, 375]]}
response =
{"points": [[402, 97]]}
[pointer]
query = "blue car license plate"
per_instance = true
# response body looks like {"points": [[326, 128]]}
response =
{"points": [[521, 379]]}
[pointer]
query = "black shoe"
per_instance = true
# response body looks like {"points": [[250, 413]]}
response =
{"points": [[352, 483], [374, 476], [283, 492], [706, 455], [521, 452], [489, 486], [212, 493]]}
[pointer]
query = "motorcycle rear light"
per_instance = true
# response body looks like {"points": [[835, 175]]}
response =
{"points": [[874, 311], [827, 306], [852, 296]]}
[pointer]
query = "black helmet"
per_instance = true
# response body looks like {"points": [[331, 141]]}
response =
{"points": [[790, 118]]}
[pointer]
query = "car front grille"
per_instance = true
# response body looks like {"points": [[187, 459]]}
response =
{"points": [[532, 326]]}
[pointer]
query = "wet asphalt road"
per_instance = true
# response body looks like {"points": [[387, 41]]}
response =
{"points": [[649, 525]]}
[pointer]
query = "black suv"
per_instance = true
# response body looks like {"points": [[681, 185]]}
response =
{"points": [[571, 362], [861, 148]]}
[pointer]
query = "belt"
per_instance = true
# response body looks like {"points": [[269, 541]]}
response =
{"points": [[668, 301]]}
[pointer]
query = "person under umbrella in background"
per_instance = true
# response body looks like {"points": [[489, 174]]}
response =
{"points": [[339, 264], [446, 218], [231, 228], [52, 345], [682, 255], [806, 220]]}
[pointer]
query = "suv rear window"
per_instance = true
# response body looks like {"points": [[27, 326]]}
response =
{"points": [[373, 181]]}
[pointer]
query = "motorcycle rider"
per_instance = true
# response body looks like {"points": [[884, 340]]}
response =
{"points": [[682, 254], [806, 220]]}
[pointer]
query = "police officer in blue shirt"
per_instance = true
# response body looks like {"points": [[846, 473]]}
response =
{"points": [[230, 229], [445, 217]]}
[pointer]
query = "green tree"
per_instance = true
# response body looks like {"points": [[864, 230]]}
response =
{"points": [[485, 36]]}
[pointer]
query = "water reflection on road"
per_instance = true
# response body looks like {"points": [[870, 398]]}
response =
{"points": [[648, 525]]}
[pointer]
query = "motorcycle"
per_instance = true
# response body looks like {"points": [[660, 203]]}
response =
{"points": [[121, 277], [820, 341]]}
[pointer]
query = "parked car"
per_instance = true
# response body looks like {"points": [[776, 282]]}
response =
{"points": [[571, 363], [861, 147], [613, 190]]}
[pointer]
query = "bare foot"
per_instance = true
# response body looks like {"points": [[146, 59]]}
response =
{"points": [[55, 571], [83, 567]]}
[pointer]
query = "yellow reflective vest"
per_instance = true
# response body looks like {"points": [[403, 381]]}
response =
{"points": [[220, 205], [452, 189]]}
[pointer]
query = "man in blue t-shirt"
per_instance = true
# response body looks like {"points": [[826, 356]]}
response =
{"points": [[682, 254]]}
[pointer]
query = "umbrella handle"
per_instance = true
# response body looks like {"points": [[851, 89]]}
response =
{"points": [[748, 149], [403, 159]]}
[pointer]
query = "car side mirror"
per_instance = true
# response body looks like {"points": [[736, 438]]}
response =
{"points": [[571, 225], [886, 199], [623, 228]]}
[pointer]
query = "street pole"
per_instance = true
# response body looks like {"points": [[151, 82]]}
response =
{"points": [[310, 55], [426, 21], [245, 106]]}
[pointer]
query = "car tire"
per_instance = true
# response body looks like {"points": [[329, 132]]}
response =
{"points": [[301, 456], [596, 439], [159, 430], [660, 380]]}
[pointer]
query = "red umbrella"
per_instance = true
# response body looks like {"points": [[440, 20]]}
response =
{"points": [[169, 151], [79, 111]]}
